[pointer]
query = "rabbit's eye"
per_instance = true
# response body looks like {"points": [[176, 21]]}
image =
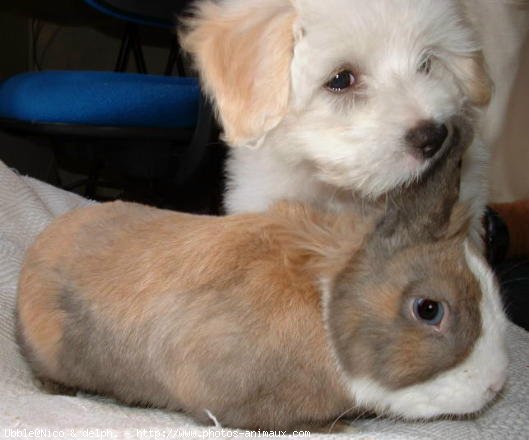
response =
{"points": [[429, 311]]}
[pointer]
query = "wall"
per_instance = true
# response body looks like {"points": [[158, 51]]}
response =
{"points": [[510, 160]]}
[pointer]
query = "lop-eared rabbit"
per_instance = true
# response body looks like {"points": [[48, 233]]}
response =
{"points": [[285, 319]]}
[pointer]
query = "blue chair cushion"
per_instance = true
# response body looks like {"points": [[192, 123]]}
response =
{"points": [[101, 99]]}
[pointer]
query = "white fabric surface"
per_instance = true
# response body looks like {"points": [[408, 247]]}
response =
{"points": [[26, 207]]}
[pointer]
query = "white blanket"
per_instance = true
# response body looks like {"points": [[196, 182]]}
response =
{"points": [[26, 207]]}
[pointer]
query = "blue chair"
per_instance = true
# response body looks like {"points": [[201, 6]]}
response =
{"points": [[74, 100], [158, 13], [96, 111], [137, 13]]}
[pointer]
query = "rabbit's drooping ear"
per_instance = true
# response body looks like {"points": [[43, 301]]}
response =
{"points": [[242, 50], [398, 229], [460, 221], [424, 210]]}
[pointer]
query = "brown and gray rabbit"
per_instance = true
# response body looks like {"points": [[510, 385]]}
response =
{"points": [[279, 320]]}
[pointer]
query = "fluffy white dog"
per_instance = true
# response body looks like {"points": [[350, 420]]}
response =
{"points": [[338, 101]]}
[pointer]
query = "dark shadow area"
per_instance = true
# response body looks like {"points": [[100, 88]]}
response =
{"points": [[514, 282]]}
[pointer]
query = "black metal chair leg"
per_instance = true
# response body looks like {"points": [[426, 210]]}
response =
{"points": [[171, 60], [180, 65], [93, 176], [124, 51], [175, 59], [205, 132], [138, 51]]}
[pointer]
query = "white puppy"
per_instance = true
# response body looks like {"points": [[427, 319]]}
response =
{"points": [[338, 101]]}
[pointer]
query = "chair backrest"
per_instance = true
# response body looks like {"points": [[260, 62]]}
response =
{"points": [[158, 13]]}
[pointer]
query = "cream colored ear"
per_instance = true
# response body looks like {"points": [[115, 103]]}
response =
{"points": [[475, 79], [243, 50]]}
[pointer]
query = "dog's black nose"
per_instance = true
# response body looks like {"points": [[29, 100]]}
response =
{"points": [[427, 138]]}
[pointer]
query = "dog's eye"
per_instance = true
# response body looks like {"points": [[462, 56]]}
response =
{"points": [[341, 81], [426, 66], [428, 311]]}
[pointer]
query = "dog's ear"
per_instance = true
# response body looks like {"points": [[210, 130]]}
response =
{"points": [[475, 80], [243, 50]]}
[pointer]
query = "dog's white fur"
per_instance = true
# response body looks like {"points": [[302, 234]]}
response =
{"points": [[265, 63]]}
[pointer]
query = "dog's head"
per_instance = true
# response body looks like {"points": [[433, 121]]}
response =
{"points": [[363, 92]]}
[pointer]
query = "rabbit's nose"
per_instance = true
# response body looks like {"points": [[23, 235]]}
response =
{"points": [[497, 385]]}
